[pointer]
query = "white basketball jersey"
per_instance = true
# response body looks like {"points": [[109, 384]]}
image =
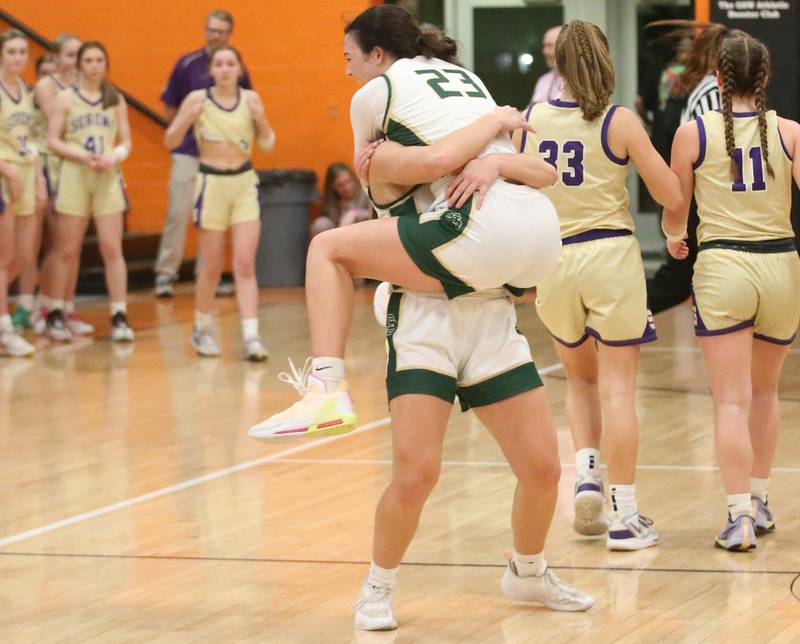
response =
{"points": [[417, 102]]}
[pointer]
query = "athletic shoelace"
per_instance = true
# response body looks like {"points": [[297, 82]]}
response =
{"points": [[297, 378]]}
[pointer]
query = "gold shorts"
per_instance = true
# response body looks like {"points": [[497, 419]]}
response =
{"points": [[82, 192], [597, 289], [25, 206], [224, 200], [733, 290], [51, 164]]}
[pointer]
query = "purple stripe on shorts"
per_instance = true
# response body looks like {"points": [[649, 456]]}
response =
{"points": [[771, 340], [198, 205], [571, 345], [525, 132], [701, 130], [594, 235], [589, 487], [604, 137], [649, 335]]}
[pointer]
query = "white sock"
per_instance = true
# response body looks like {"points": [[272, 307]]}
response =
{"points": [[329, 370], [119, 307], [25, 301], [69, 306], [56, 305], [382, 576], [45, 302], [6, 326], [587, 459], [250, 328], [739, 504], [758, 488], [203, 321], [529, 565], [623, 499]]}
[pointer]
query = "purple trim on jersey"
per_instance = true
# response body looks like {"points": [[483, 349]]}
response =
{"points": [[649, 335], [86, 100], [57, 82], [783, 145], [198, 205], [771, 340], [604, 137], [191, 73], [594, 235], [225, 109], [16, 101], [700, 328], [588, 487], [557, 102], [2, 204], [525, 132], [743, 114], [701, 156]]}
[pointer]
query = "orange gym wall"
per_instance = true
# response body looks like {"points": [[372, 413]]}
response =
{"points": [[293, 51]]}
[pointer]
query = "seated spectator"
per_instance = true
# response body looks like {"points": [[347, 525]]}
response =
{"points": [[344, 201]]}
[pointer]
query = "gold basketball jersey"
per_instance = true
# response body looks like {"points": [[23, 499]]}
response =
{"points": [[89, 126], [590, 191], [217, 123], [752, 205], [16, 120]]}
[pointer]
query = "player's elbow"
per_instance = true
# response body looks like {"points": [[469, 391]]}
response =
{"points": [[549, 175]]}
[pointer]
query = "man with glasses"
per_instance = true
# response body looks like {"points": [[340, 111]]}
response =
{"points": [[190, 73]]}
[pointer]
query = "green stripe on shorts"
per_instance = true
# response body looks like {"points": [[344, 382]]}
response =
{"points": [[411, 381], [421, 239], [500, 387]]}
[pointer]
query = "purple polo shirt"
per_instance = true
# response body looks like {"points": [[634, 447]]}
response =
{"points": [[191, 73]]}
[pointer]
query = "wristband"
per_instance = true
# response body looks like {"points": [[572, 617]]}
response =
{"points": [[268, 142], [121, 152]]}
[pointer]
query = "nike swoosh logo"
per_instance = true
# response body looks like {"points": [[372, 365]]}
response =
{"points": [[320, 368]]}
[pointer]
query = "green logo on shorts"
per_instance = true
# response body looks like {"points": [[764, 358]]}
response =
{"points": [[455, 219]]}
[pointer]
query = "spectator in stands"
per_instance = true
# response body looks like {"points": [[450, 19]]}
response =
{"points": [[190, 73], [343, 200], [549, 85]]}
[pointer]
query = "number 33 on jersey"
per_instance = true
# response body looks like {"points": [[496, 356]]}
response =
{"points": [[590, 191]]}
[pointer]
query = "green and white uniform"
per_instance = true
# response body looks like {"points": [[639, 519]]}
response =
{"points": [[513, 239]]}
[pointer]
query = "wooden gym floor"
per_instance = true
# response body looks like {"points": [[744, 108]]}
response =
{"points": [[133, 506]]}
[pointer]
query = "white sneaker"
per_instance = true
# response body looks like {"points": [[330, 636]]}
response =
{"points": [[546, 589], [319, 412], [204, 342], [374, 608], [39, 320], [15, 346], [631, 532], [589, 499], [57, 326], [77, 326], [120, 330], [254, 350]]}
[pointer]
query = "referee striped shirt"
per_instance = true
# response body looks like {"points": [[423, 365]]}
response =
{"points": [[703, 98]]}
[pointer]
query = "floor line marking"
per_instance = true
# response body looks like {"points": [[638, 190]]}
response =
{"points": [[675, 468], [85, 516], [350, 562]]}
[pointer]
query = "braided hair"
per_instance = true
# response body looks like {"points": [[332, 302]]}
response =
{"points": [[584, 62], [744, 64]]}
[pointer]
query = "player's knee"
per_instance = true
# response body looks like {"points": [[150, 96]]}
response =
{"points": [[244, 267], [414, 484], [7, 258], [111, 251], [540, 473]]}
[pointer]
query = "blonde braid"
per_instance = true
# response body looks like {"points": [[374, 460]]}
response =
{"points": [[760, 100]]}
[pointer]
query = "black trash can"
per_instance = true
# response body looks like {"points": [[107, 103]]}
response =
{"points": [[284, 197]]}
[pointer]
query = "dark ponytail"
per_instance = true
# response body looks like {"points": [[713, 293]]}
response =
{"points": [[393, 29], [109, 93]]}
